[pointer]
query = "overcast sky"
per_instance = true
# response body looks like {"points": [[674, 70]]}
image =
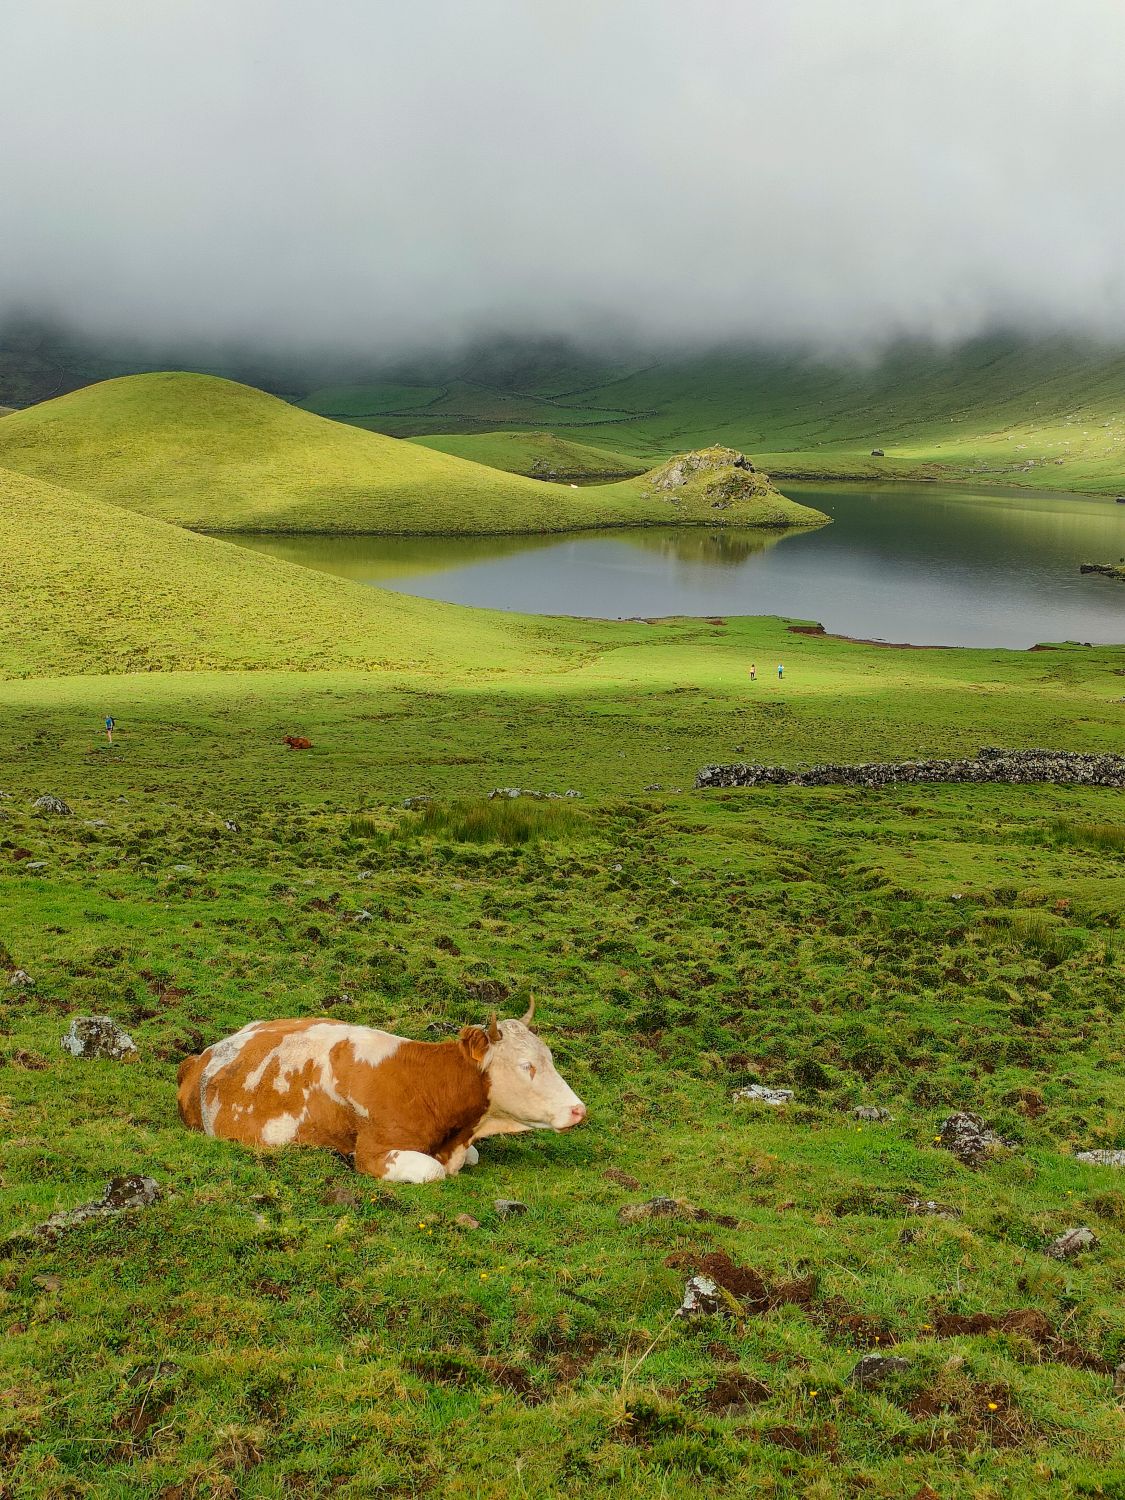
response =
{"points": [[384, 173]]}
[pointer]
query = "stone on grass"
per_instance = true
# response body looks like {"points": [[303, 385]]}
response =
{"points": [[758, 1093], [20, 979], [509, 1208], [129, 1192], [1102, 1158], [1073, 1242], [657, 1208], [873, 1369], [50, 804], [701, 1299], [969, 1138], [418, 800], [672, 1208], [98, 1036], [466, 1221], [363, 916], [871, 1112], [915, 1205]]}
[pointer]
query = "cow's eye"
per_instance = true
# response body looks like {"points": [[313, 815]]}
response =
{"points": [[529, 1069]]}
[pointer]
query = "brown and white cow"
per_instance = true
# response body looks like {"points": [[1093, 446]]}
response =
{"points": [[407, 1111]]}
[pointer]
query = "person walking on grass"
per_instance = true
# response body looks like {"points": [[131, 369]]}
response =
{"points": [[110, 726], [780, 670], [753, 671]]}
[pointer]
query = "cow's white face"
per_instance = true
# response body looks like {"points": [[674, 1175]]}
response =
{"points": [[526, 1093]]}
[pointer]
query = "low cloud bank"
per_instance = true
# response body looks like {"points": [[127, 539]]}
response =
{"points": [[383, 178]]}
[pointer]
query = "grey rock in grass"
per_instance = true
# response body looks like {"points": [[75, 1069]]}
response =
{"points": [[671, 1208], [363, 916], [418, 800], [1102, 1158], [1073, 1242], [873, 1369], [20, 979], [970, 1140], [701, 1299], [758, 1093], [230, 825], [129, 1192], [51, 804], [184, 869], [572, 793], [36, 864], [871, 1112], [98, 1036], [930, 1207], [509, 1208]]}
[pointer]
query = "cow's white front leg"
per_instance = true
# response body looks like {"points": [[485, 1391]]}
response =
{"points": [[461, 1156], [412, 1166]]}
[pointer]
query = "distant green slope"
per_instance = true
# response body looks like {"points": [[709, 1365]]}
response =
{"points": [[539, 455], [89, 587], [1047, 413], [217, 456]]}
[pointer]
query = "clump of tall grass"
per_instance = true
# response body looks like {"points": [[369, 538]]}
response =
{"points": [[476, 820], [1106, 838]]}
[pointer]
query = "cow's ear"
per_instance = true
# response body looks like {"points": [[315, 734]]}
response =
{"points": [[475, 1042]]}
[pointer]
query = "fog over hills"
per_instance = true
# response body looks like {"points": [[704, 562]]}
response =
{"points": [[380, 180]]}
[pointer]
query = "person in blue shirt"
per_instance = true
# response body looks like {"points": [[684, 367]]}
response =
{"points": [[780, 669], [110, 725]]}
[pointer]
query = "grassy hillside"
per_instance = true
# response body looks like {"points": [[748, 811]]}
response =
{"points": [[539, 455], [1049, 413], [217, 456], [90, 587]]}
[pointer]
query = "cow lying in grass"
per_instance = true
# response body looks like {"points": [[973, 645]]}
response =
{"points": [[406, 1111], [297, 742]]}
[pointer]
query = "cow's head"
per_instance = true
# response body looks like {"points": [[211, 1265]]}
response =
{"points": [[525, 1090]]}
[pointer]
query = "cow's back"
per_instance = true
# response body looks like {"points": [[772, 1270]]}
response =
{"points": [[306, 1081]]}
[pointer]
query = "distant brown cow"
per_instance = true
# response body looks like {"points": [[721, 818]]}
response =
{"points": [[297, 742], [406, 1111]]}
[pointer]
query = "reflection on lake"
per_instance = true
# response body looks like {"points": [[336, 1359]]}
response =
{"points": [[920, 564]]}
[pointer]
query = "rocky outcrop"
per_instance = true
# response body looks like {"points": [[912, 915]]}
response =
{"points": [[1021, 767], [721, 486], [1111, 570], [132, 1191], [970, 1140], [99, 1036], [50, 804]]}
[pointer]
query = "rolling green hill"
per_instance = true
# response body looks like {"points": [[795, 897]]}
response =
{"points": [[90, 587], [1048, 413], [539, 455], [216, 456]]}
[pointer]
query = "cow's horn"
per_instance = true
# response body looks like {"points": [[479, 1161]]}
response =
{"points": [[529, 1015], [492, 1028]]}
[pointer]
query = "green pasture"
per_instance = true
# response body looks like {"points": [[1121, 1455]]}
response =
{"points": [[540, 455], [1049, 413], [275, 1326]]}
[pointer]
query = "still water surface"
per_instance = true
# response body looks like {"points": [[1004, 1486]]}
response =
{"points": [[899, 563]]}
